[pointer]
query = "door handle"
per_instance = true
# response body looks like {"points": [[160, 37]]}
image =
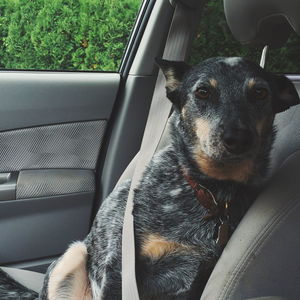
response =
{"points": [[8, 185]]}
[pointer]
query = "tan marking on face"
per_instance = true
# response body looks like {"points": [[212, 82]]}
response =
{"points": [[213, 82], [202, 129], [172, 83], [156, 246], [240, 172], [73, 262], [251, 83]]}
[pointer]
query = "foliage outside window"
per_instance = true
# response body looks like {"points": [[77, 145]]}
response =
{"points": [[215, 39], [65, 34]]}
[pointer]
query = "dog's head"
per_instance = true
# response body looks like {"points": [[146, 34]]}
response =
{"points": [[226, 107]]}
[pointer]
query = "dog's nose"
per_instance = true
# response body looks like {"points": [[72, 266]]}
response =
{"points": [[238, 140]]}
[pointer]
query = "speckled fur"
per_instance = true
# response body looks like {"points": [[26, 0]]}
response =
{"points": [[12, 290], [165, 205]]}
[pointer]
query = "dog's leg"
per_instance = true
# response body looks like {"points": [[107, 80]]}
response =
{"points": [[170, 277], [68, 280], [172, 270]]}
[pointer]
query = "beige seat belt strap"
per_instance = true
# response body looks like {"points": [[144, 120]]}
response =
{"points": [[175, 49]]}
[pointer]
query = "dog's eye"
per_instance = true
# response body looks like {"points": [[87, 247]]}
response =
{"points": [[202, 93], [260, 93]]}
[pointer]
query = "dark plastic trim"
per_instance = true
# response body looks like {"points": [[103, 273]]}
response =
{"points": [[8, 183], [135, 38]]}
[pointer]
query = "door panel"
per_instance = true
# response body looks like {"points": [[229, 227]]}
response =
{"points": [[52, 127], [30, 99], [42, 227]]}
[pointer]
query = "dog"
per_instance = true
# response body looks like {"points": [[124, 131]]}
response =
{"points": [[192, 194]]}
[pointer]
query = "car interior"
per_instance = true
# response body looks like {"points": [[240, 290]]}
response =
{"points": [[67, 137]]}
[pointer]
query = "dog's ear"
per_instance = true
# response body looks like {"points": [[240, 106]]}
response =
{"points": [[174, 72], [287, 95]]}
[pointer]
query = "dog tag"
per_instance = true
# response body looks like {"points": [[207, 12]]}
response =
{"points": [[223, 234]]}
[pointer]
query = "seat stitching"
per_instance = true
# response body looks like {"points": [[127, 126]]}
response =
{"points": [[257, 246]]}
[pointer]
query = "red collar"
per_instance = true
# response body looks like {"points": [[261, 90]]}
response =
{"points": [[204, 196], [215, 209], [207, 199]]}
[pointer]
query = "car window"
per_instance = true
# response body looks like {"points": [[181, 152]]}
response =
{"points": [[215, 39], [65, 34]]}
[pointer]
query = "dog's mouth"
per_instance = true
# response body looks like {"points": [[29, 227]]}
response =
{"points": [[226, 166], [229, 160], [218, 153], [229, 157]]}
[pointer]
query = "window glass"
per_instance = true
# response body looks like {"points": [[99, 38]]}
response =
{"points": [[65, 34], [215, 39]]}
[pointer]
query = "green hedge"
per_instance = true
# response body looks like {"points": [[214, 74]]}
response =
{"points": [[65, 34], [215, 39], [92, 35]]}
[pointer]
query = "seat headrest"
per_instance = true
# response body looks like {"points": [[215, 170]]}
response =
{"points": [[263, 22]]}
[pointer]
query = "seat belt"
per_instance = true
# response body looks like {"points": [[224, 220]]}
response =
{"points": [[177, 43]]}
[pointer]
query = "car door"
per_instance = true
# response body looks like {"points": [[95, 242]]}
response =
{"points": [[76, 82]]}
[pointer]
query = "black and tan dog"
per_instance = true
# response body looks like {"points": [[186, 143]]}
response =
{"points": [[193, 193]]}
